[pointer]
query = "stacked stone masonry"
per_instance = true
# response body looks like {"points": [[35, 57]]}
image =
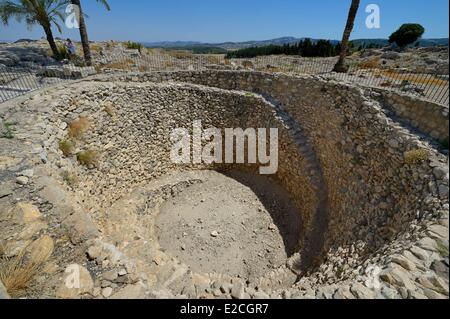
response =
{"points": [[374, 217]]}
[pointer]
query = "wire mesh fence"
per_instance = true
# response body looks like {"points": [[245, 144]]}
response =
{"points": [[15, 81]]}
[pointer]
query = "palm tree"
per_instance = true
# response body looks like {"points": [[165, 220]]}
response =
{"points": [[43, 12], [83, 29], [340, 65]]}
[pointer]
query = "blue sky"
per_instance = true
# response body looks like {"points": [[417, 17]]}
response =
{"points": [[240, 20]]}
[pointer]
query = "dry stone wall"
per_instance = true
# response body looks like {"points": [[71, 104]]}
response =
{"points": [[427, 117], [373, 192]]}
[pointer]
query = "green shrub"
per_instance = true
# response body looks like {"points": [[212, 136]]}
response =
{"points": [[9, 131], [67, 147], [442, 248], [70, 178], [78, 61], [87, 158], [63, 53], [134, 46], [416, 156]]}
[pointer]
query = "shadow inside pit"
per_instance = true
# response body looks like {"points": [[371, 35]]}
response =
{"points": [[277, 202]]}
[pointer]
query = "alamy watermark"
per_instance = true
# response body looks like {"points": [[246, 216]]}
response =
{"points": [[373, 20], [72, 20], [73, 279], [207, 146], [373, 280]]}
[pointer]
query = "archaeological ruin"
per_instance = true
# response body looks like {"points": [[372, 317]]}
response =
{"points": [[357, 209]]}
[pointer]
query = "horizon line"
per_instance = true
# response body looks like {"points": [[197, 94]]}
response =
{"points": [[218, 42]]}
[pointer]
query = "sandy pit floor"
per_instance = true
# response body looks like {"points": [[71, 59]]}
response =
{"points": [[241, 225]]}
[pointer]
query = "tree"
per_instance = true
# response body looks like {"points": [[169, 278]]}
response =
{"points": [[83, 29], [306, 48], [407, 34], [43, 12], [340, 65]]}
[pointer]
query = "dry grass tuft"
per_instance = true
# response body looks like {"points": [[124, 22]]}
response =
{"points": [[96, 48], [426, 79], [69, 178], [180, 54], [67, 147], [88, 158], [79, 127], [416, 156], [215, 59], [370, 64], [18, 272], [144, 68], [110, 110], [120, 65], [168, 64], [98, 68]]}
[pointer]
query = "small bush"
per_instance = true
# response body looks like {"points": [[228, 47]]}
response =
{"points": [[96, 48], [78, 62], [110, 110], [134, 46], [67, 147], [70, 178], [9, 130], [442, 248], [63, 53], [88, 158], [79, 127], [416, 156]]}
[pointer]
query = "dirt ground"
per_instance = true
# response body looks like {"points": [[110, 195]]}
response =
{"points": [[241, 225]]}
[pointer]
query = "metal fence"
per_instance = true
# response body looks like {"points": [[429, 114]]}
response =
{"points": [[15, 81]]}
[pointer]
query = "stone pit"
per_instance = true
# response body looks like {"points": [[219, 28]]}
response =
{"points": [[358, 187]]}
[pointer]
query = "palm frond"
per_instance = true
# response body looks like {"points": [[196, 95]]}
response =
{"points": [[43, 12], [10, 10], [56, 23], [105, 4]]}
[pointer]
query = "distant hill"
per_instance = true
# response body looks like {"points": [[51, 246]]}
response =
{"points": [[279, 41], [169, 44], [223, 45]]}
